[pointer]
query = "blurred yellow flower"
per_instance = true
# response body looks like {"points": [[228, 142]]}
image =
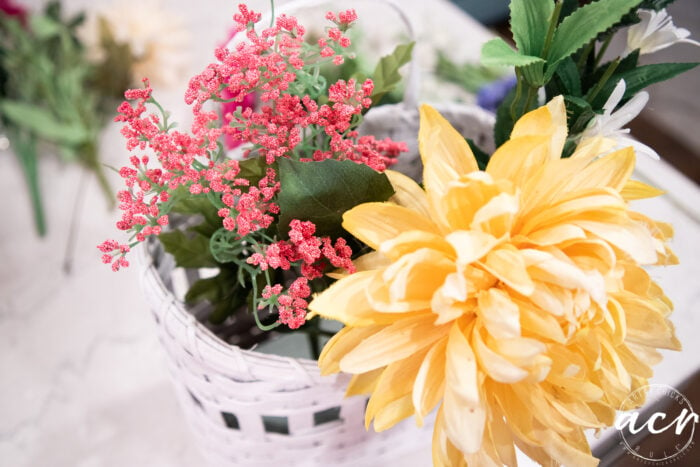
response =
{"points": [[512, 297]]}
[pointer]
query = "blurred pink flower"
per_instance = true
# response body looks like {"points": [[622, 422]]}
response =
{"points": [[12, 9]]}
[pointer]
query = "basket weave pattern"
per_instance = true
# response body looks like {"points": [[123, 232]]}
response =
{"points": [[252, 409]]}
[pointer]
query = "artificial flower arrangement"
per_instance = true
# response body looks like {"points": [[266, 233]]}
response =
{"points": [[508, 290], [59, 83]]}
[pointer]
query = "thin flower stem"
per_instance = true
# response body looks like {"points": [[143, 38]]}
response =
{"points": [[518, 92], [584, 55], [531, 93], [601, 52], [25, 151], [603, 80], [553, 22], [272, 13], [255, 308]]}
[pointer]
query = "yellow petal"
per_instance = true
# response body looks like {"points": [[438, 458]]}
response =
{"points": [[537, 137], [346, 301], [499, 314], [445, 454], [364, 383], [413, 240], [374, 223], [471, 245], [565, 453], [391, 344], [635, 189], [392, 386], [496, 216], [501, 437], [340, 345], [520, 158], [578, 205], [592, 147], [549, 120], [645, 325], [496, 366], [555, 234], [611, 171], [408, 193], [540, 323], [439, 141], [464, 413], [392, 413], [371, 261], [429, 384], [508, 265], [629, 237]]}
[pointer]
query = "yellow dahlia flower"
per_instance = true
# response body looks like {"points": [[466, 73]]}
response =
{"points": [[513, 297]]}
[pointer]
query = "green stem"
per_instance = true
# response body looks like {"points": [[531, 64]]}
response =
{"points": [[272, 13], [531, 93], [601, 52], [584, 55], [92, 162], [25, 150], [603, 80], [259, 323], [518, 92], [553, 22]]}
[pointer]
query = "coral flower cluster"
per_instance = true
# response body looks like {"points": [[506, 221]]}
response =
{"points": [[513, 298], [297, 116]]}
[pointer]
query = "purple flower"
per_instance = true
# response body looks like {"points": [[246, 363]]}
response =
{"points": [[491, 95]]}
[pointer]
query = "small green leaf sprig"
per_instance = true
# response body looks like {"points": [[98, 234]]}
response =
{"points": [[560, 51]]}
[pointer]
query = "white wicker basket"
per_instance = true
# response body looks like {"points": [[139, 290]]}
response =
{"points": [[250, 409]]}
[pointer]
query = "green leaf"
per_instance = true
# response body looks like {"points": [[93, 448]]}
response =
{"points": [[223, 291], [626, 64], [197, 205], [39, 121], [534, 74], [578, 113], [322, 191], [567, 78], [504, 120], [253, 169], [45, 27], [497, 52], [529, 20], [189, 251], [584, 24], [641, 77], [204, 289], [386, 74], [568, 7]]}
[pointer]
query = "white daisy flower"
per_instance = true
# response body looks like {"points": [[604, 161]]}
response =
{"points": [[611, 123], [157, 38], [655, 32]]}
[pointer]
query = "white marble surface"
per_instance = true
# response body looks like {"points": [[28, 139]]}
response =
{"points": [[83, 378]]}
